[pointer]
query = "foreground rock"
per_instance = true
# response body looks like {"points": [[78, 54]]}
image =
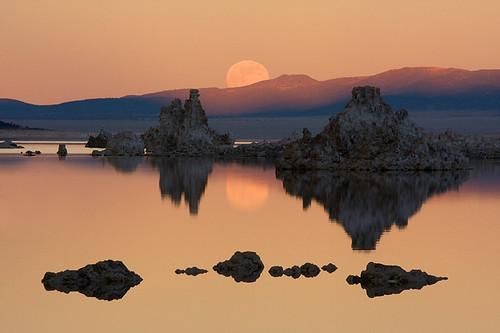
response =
{"points": [[276, 271], [124, 144], [191, 271], [473, 146], [105, 280], [184, 131], [99, 141], [242, 267], [381, 280], [329, 268], [8, 144], [369, 135], [62, 150], [368, 204]]}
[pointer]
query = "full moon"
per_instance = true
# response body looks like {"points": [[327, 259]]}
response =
{"points": [[246, 72]]}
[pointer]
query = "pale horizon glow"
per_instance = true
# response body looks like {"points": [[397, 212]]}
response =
{"points": [[54, 51]]}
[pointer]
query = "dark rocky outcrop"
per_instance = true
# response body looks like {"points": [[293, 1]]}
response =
{"points": [[293, 272], [368, 204], [124, 144], [242, 267], [184, 131], [276, 271], [99, 141], [381, 280], [309, 270], [191, 271], [329, 268], [62, 150], [105, 280], [369, 135]]}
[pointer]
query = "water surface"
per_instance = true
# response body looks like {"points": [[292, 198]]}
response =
{"points": [[157, 215]]}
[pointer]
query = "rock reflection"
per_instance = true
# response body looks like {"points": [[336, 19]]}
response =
{"points": [[124, 164], [368, 204], [184, 177]]}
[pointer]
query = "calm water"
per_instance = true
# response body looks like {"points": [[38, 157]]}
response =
{"points": [[159, 215]]}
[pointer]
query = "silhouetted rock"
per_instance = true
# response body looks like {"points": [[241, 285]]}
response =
{"points": [[242, 267], [99, 141], [125, 144], [309, 270], [184, 177], [62, 151], [37, 152], [381, 280], [191, 271], [276, 271], [368, 204], [105, 280], [330, 268], [369, 135], [29, 153], [294, 272], [8, 144], [184, 131]]}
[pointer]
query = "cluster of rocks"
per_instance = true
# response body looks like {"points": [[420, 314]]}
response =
{"points": [[184, 130], [122, 144], [99, 141], [473, 146], [8, 144], [242, 267], [104, 280], [32, 153], [367, 204], [191, 271], [380, 280], [307, 270], [369, 135]]}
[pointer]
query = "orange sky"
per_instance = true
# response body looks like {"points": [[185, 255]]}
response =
{"points": [[57, 50]]}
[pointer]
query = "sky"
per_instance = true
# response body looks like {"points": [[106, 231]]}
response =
{"points": [[57, 50]]}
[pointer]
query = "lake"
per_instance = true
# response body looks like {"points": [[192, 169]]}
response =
{"points": [[158, 215]]}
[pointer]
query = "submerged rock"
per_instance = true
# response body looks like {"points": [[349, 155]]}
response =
{"points": [[276, 271], [329, 268], [369, 135], [191, 271], [99, 141], [62, 151], [125, 144], [242, 267], [105, 280], [184, 131], [381, 280]]}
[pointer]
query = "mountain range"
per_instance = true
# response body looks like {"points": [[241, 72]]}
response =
{"points": [[416, 88]]}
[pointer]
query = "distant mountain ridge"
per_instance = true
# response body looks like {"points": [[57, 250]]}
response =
{"points": [[414, 88]]}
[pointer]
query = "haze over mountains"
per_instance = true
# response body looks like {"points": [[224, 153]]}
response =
{"points": [[416, 89]]}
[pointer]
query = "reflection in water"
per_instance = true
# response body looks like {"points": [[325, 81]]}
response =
{"points": [[368, 204], [184, 177], [124, 164]]}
